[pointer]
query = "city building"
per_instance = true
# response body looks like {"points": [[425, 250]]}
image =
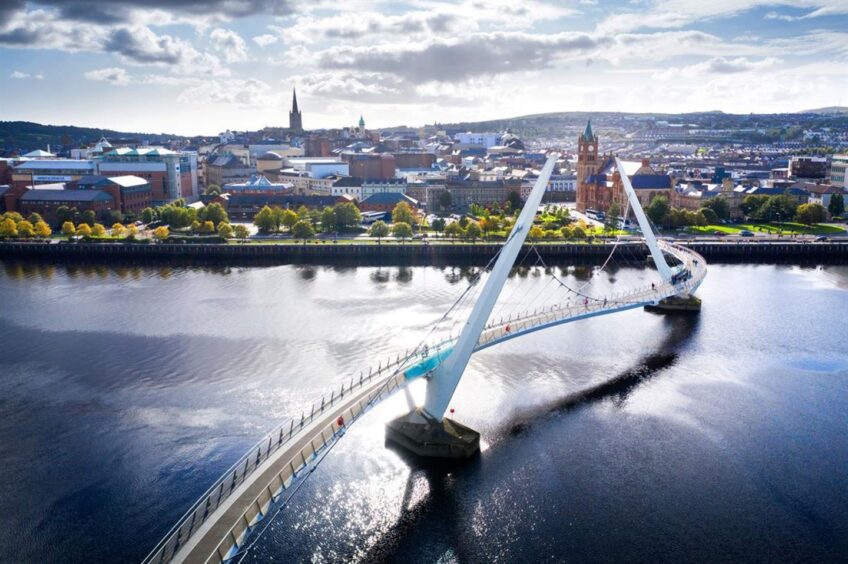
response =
{"points": [[226, 169], [838, 170], [35, 172], [371, 166], [319, 167], [484, 140], [131, 194], [171, 175], [392, 185], [347, 186], [257, 184], [808, 167], [46, 202], [386, 202]]}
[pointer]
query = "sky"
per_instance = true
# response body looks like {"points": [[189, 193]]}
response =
{"points": [[199, 67]]}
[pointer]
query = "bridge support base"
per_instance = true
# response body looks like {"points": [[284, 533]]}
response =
{"points": [[685, 303], [426, 437]]}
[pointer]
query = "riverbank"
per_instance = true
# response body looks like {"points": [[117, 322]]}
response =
{"points": [[830, 252]]}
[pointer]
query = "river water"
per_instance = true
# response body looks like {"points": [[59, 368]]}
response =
{"points": [[125, 392]]}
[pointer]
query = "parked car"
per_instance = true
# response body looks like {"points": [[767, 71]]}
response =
{"points": [[822, 238], [745, 233], [719, 233]]}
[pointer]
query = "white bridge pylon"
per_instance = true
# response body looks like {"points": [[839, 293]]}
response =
{"points": [[444, 378]]}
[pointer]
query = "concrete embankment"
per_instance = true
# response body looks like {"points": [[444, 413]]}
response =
{"points": [[414, 253]]}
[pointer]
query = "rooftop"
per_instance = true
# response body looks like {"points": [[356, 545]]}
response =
{"points": [[65, 196]]}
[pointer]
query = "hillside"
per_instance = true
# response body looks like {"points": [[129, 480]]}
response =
{"points": [[25, 136], [827, 110]]}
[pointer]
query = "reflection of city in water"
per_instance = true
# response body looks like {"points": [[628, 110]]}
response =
{"points": [[606, 439]]}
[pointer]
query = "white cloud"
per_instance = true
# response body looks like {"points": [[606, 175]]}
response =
{"points": [[250, 93], [115, 75], [229, 43], [19, 75], [719, 66], [265, 39]]}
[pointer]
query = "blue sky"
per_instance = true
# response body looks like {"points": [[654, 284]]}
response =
{"points": [[202, 66]]}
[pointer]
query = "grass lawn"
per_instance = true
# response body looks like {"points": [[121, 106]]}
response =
{"points": [[788, 228]]}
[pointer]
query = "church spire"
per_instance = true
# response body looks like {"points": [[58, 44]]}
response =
{"points": [[587, 134], [294, 101], [295, 117]]}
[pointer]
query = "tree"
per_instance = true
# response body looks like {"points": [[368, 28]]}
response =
{"points": [[195, 226], [536, 233], [241, 232], [225, 231], [328, 219], [64, 213], [25, 229], [98, 230], [445, 201], [118, 230], [438, 225], [89, 217], [112, 216], [68, 229], [403, 214], [808, 214], [148, 215], [8, 228], [132, 231], [161, 233], [514, 200], [214, 213], [473, 230], [719, 205], [303, 212], [303, 230], [43, 230], [34, 218], [288, 218], [207, 227], [212, 190], [611, 218], [401, 229], [836, 207], [751, 204], [264, 220], [453, 230], [658, 209], [709, 215], [778, 208], [379, 229], [578, 232], [84, 230], [347, 216]]}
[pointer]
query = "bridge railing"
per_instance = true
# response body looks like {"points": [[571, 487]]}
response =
{"points": [[242, 469]]}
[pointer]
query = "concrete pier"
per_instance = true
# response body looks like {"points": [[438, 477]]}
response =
{"points": [[685, 303], [428, 438]]}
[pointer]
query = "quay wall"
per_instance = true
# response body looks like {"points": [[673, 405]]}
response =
{"points": [[415, 253]]}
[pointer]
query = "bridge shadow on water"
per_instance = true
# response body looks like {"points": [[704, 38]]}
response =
{"points": [[434, 523]]}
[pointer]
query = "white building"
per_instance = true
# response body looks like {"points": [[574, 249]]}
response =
{"points": [[484, 140], [371, 187], [319, 167], [839, 171], [562, 183]]}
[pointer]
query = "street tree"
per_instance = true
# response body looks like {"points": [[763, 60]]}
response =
{"points": [[68, 229], [161, 233], [438, 225], [25, 229], [403, 213], [303, 230], [328, 219], [288, 219], [719, 205], [473, 231], [658, 209], [836, 206], [402, 230], [514, 200], [536, 233], [84, 230], [453, 230], [8, 228], [98, 230], [611, 218], [264, 220], [225, 231], [34, 218], [118, 230], [241, 232], [148, 215], [347, 216], [43, 230], [89, 217], [215, 213], [808, 214], [445, 201], [379, 229]]}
